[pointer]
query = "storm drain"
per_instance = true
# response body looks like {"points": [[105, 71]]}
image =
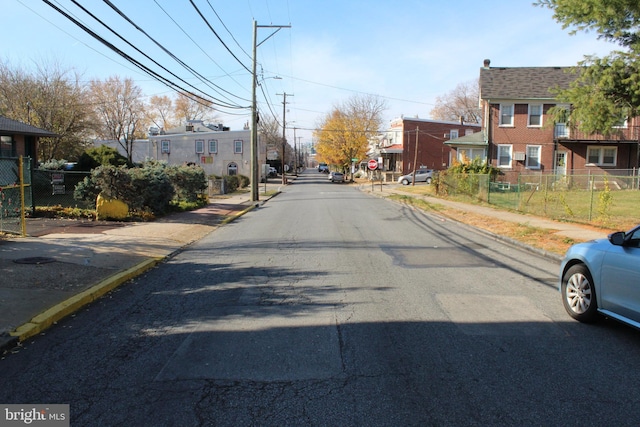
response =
{"points": [[34, 260]]}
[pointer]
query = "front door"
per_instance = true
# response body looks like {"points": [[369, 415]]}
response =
{"points": [[561, 163]]}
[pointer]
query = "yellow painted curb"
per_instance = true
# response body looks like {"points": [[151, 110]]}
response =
{"points": [[59, 311]]}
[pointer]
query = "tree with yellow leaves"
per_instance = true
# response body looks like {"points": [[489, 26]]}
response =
{"points": [[344, 133]]}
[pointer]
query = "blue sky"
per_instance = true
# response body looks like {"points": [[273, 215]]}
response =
{"points": [[407, 52]]}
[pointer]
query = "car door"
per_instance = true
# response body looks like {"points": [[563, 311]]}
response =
{"points": [[620, 279]]}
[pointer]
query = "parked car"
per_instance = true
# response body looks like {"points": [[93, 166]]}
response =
{"points": [[273, 171], [602, 277], [422, 175], [323, 167], [336, 177]]}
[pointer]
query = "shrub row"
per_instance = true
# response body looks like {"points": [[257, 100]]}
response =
{"points": [[149, 188]]}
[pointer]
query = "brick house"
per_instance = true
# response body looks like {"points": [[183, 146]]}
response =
{"points": [[20, 139], [520, 136], [397, 145]]}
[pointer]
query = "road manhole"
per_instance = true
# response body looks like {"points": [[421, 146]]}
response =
{"points": [[34, 260]]}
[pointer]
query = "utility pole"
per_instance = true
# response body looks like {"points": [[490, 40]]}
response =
{"points": [[284, 128], [254, 109], [415, 159]]}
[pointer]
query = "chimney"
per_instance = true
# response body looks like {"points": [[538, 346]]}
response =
{"points": [[487, 62]]}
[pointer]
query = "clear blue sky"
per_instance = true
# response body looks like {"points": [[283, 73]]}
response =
{"points": [[407, 52]]}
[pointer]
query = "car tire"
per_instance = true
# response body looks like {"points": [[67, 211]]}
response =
{"points": [[428, 181], [405, 182], [579, 294]]}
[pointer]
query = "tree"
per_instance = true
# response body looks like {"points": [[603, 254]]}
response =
{"points": [[462, 103], [120, 111], [606, 90], [344, 133], [271, 135], [161, 112], [191, 107], [50, 98]]}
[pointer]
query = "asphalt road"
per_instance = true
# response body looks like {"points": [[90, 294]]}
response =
{"points": [[327, 306]]}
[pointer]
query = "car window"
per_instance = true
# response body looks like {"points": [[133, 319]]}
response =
{"points": [[634, 239]]}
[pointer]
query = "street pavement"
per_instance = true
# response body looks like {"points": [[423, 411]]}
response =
{"points": [[66, 264]]}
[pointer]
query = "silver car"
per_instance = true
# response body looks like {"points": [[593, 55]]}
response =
{"points": [[602, 277], [336, 177], [422, 175]]}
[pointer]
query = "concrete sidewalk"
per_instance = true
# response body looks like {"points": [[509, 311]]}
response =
{"points": [[72, 263]]}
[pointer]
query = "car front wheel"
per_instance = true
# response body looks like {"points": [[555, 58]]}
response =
{"points": [[405, 182], [578, 294], [428, 181]]}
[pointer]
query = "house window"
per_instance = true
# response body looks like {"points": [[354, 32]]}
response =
{"points": [[213, 146], [199, 146], [533, 156], [504, 156], [164, 144], [7, 147], [453, 134], [535, 115], [506, 114], [602, 156], [232, 169], [468, 132], [470, 154], [237, 146]]}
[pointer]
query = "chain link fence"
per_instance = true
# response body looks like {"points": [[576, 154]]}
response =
{"points": [[15, 194], [601, 198], [56, 187]]}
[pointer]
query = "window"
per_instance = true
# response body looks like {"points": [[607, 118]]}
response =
{"points": [[504, 156], [468, 132], [533, 156], [165, 146], [602, 156], [7, 147], [453, 134], [535, 115], [237, 146], [213, 146], [506, 114], [200, 146], [470, 154]]}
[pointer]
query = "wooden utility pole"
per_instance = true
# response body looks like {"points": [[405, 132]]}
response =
{"points": [[284, 128], [415, 158]]}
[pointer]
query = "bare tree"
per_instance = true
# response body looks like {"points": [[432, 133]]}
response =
{"points": [[161, 112], [190, 107], [120, 111], [51, 98], [462, 103]]}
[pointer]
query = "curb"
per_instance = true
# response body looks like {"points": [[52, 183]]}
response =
{"points": [[61, 310]]}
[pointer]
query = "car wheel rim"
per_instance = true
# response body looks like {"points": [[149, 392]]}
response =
{"points": [[578, 293]]}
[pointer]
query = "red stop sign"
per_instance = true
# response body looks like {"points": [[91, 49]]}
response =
{"points": [[372, 164]]}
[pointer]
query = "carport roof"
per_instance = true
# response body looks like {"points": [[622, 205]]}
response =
{"points": [[14, 127]]}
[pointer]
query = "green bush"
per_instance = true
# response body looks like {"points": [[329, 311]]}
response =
{"points": [[189, 182], [100, 156]]}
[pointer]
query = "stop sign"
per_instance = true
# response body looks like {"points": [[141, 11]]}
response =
{"points": [[372, 164]]}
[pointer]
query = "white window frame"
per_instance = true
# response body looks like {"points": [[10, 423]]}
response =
{"points": [[165, 146], [600, 150], [199, 146], [531, 114], [530, 156], [213, 146], [453, 134], [470, 153], [237, 146], [510, 115], [509, 148]]}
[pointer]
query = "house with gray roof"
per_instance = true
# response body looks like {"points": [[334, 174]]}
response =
{"points": [[20, 139], [520, 136]]}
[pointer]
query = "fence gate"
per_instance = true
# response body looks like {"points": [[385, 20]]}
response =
{"points": [[15, 194]]}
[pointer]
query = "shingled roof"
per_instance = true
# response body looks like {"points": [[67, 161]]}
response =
{"points": [[523, 82], [14, 127]]}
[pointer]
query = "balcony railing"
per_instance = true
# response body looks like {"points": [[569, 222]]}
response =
{"points": [[566, 131]]}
